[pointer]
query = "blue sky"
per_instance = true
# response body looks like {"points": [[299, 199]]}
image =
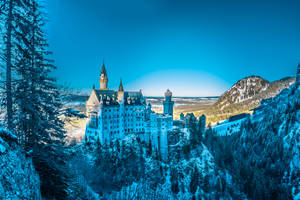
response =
{"points": [[195, 48]]}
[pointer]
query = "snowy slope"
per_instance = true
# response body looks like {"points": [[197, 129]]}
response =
{"points": [[283, 114], [271, 140], [251, 90], [18, 178], [173, 180]]}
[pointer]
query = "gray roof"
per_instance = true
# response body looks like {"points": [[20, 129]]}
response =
{"points": [[112, 96]]}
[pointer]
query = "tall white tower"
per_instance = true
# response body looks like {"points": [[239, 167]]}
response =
{"points": [[121, 99], [103, 78], [168, 103]]}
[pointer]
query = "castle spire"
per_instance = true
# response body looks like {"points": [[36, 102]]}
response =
{"points": [[103, 78], [103, 70], [121, 86]]}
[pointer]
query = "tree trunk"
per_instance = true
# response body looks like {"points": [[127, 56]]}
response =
{"points": [[8, 67]]}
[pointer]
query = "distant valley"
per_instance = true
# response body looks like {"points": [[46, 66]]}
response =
{"points": [[242, 97]]}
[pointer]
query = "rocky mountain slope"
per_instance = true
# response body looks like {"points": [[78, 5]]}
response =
{"points": [[264, 156], [245, 95], [251, 90], [18, 178]]}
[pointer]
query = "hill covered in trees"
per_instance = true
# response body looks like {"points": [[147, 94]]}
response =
{"points": [[263, 157]]}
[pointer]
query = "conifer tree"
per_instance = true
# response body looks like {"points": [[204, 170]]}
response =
{"points": [[8, 59], [194, 180], [11, 11], [38, 98], [39, 104]]}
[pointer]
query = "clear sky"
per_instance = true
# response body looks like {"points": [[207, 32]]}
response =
{"points": [[193, 47]]}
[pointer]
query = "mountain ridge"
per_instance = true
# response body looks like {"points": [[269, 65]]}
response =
{"points": [[245, 95]]}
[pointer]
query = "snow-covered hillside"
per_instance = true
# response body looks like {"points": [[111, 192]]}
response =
{"points": [[282, 115], [129, 169], [18, 178], [243, 90], [263, 157], [244, 96], [253, 88]]}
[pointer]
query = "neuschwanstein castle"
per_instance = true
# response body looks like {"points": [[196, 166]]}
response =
{"points": [[114, 114]]}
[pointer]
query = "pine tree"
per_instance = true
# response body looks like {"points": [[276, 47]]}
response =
{"points": [[39, 104], [10, 14], [8, 59], [194, 180]]}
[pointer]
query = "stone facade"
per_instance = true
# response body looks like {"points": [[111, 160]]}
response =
{"points": [[114, 114], [189, 119]]}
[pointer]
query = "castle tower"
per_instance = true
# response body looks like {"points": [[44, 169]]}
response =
{"points": [[121, 99], [168, 103], [181, 116], [298, 76], [121, 93], [103, 78], [202, 124]]}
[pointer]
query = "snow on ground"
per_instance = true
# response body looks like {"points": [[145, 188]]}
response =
{"points": [[18, 178]]}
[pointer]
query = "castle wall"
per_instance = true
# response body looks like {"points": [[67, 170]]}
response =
{"points": [[114, 114]]}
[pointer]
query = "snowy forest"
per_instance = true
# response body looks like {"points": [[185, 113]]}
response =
{"points": [[259, 161]]}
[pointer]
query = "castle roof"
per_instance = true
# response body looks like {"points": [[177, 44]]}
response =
{"points": [[111, 96], [168, 93]]}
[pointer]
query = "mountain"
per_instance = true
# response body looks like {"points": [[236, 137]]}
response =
{"points": [[252, 90], [264, 156], [243, 90], [246, 95]]}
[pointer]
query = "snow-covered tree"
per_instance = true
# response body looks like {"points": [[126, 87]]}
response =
{"points": [[11, 11], [38, 102]]}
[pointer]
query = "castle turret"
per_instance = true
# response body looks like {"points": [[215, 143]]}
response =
{"points": [[202, 124], [298, 76], [181, 116], [103, 78], [168, 103], [121, 93], [121, 100]]}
